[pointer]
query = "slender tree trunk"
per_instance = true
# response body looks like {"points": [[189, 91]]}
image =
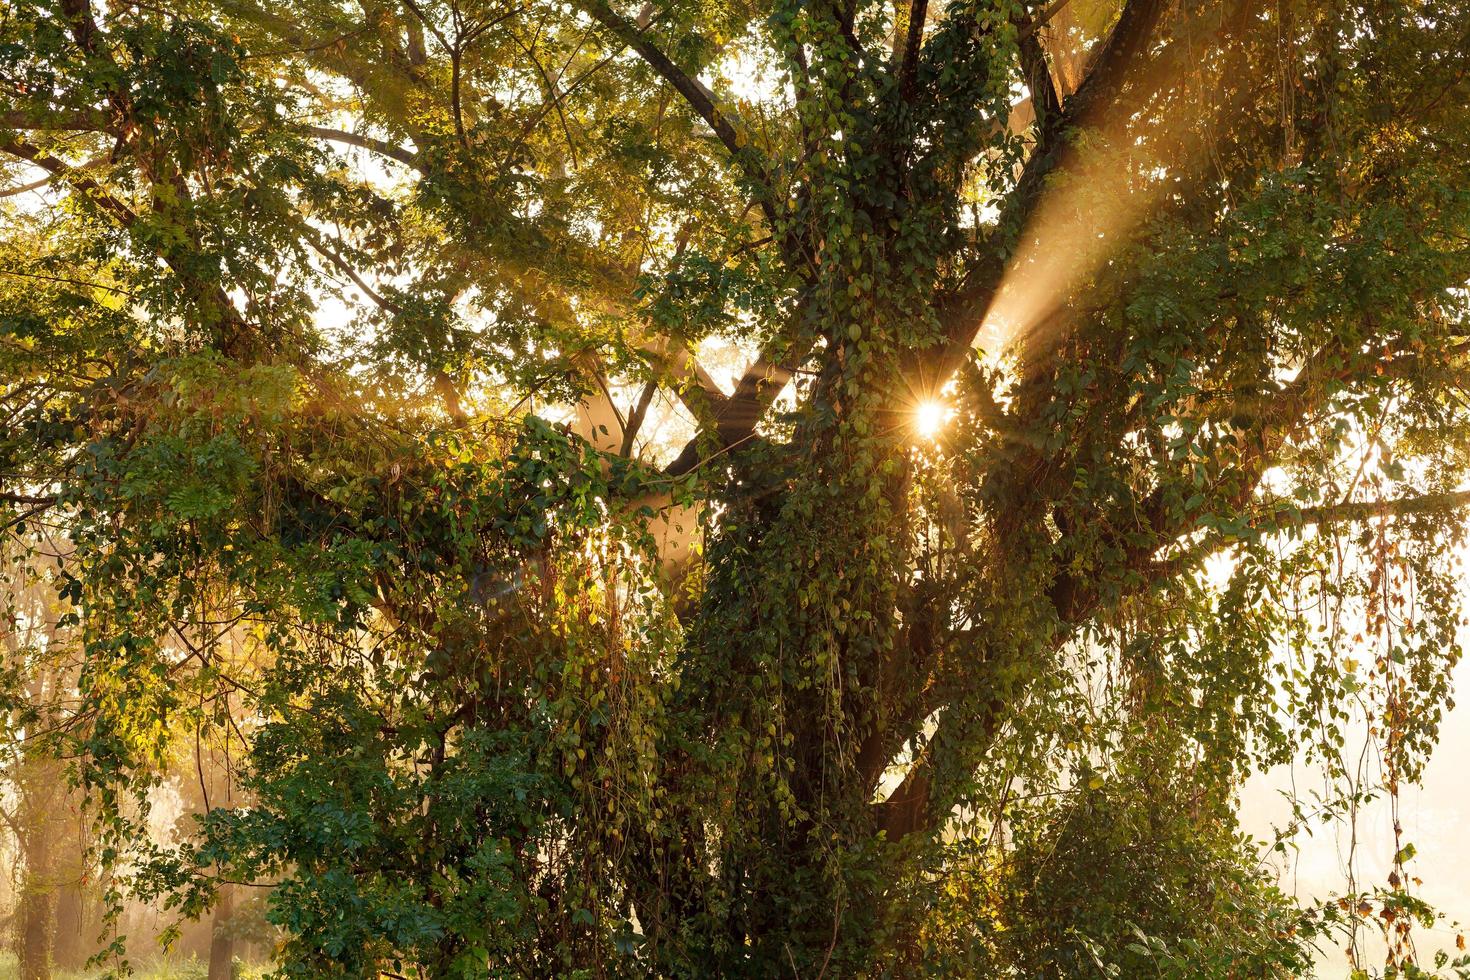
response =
{"points": [[221, 942]]}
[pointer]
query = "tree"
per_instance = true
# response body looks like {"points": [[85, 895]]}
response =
{"points": [[40, 810], [290, 326]]}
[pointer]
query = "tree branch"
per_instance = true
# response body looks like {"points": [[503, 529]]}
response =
{"points": [[83, 24], [80, 121], [963, 313], [1362, 510], [90, 188], [736, 418], [909, 66], [380, 147], [443, 384], [34, 185], [28, 499], [1350, 511], [678, 367], [208, 293], [313, 238], [696, 95], [42, 182], [1046, 101], [1075, 600], [1042, 19], [635, 418]]}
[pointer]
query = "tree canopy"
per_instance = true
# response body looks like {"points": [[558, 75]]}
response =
{"points": [[1099, 437]]}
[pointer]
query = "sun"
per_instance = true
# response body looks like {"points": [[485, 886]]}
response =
{"points": [[929, 417]]}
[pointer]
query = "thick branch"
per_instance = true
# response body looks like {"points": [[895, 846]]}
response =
{"points": [[635, 418], [82, 121], [1046, 101], [1043, 18], [28, 499], [1362, 510], [90, 188], [696, 95], [380, 147], [208, 293], [963, 313], [1351, 511], [678, 367], [1076, 600], [83, 24], [737, 417], [909, 65]]}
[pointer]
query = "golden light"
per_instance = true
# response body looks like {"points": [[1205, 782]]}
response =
{"points": [[929, 417]]}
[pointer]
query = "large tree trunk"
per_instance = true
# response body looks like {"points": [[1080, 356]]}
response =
{"points": [[69, 950], [73, 943], [34, 921], [221, 941]]}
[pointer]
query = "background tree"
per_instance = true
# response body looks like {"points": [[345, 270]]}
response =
{"points": [[41, 810], [344, 327]]}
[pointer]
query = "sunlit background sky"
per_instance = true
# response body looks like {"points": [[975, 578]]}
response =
{"points": [[1435, 818]]}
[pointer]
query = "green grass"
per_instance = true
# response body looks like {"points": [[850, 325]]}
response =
{"points": [[190, 968]]}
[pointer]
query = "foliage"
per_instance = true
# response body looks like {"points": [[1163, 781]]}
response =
{"points": [[352, 436]]}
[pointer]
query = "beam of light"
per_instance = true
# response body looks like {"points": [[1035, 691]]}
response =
{"points": [[1114, 182], [929, 417]]}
